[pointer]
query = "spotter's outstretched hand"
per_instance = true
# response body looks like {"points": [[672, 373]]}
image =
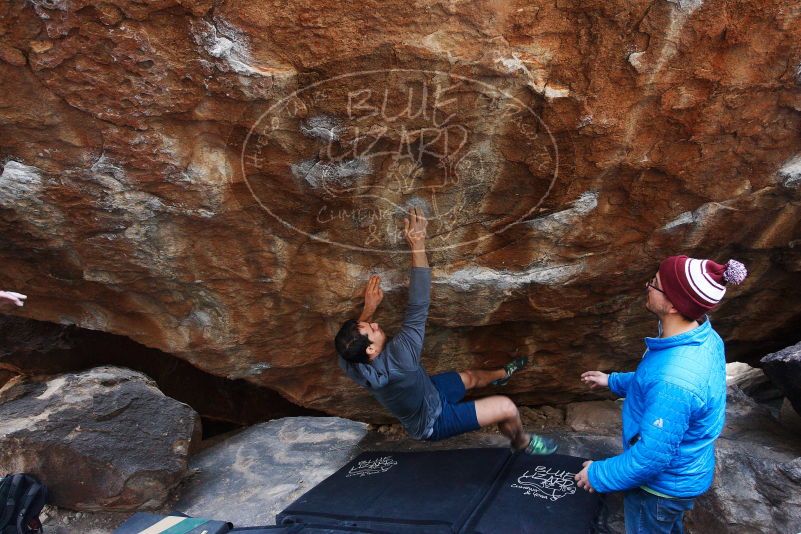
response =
{"points": [[595, 379]]}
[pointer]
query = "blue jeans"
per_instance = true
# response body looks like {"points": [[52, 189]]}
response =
{"points": [[647, 513]]}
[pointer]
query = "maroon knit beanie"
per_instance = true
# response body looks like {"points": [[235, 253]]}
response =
{"points": [[696, 286]]}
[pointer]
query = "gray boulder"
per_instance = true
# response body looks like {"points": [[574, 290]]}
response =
{"points": [[744, 376], [757, 486], [104, 439], [255, 474], [752, 381], [784, 369], [789, 417]]}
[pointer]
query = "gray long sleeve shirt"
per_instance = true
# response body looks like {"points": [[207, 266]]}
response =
{"points": [[395, 377]]}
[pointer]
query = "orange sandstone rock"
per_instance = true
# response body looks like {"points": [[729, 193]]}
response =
{"points": [[220, 181]]}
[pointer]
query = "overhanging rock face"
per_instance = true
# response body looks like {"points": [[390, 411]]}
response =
{"points": [[219, 181]]}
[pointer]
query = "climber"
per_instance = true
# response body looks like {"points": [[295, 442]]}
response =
{"points": [[10, 297], [429, 408], [675, 400]]}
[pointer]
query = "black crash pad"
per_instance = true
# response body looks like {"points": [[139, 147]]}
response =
{"points": [[172, 524], [432, 491], [456, 491], [536, 494]]}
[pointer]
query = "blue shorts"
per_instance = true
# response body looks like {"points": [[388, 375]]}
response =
{"points": [[456, 417]]}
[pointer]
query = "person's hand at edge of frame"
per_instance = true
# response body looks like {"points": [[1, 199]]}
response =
{"points": [[12, 297]]}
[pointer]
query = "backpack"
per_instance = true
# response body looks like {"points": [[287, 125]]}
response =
{"points": [[22, 498]]}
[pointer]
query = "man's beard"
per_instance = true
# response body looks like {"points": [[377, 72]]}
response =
{"points": [[653, 308]]}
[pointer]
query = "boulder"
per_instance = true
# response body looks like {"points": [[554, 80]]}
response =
{"points": [[784, 369], [542, 417], [225, 176], [103, 439], [25, 343], [744, 376], [29, 347], [753, 381], [251, 476], [789, 417], [757, 486], [595, 417], [757, 490]]}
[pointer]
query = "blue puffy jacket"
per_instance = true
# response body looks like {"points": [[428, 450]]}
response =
{"points": [[674, 410]]}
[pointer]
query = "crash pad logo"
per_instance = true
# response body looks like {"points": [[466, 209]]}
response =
{"points": [[545, 483], [372, 467], [343, 160]]}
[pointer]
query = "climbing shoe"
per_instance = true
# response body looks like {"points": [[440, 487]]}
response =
{"points": [[511, 368], [540, 445]]}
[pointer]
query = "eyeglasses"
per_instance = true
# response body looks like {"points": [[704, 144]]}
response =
{"points": [[651, 284]]}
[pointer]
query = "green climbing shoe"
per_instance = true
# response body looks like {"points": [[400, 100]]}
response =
{"points": [[511, 368], [540, 445]]}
